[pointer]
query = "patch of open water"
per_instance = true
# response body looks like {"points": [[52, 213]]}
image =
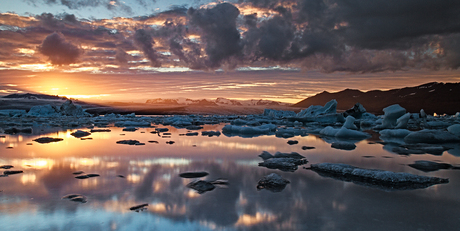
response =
{"points": [[131, 175]]}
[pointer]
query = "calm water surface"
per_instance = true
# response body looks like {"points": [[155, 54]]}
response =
{"points": [[32, 200]]}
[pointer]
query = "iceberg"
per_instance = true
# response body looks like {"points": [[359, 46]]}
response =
{"points": [[391, 115], [272, 182]]}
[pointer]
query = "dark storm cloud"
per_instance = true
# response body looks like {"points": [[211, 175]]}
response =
{"points": [[330, 35], [144, 41], [58, 50], [219, 31]]}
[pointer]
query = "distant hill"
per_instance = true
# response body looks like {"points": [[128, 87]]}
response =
{"points": [[33, 96], [216, 102], [432, 97]]}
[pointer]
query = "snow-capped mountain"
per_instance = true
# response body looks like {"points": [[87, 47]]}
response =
{"points": [[216, 102]]}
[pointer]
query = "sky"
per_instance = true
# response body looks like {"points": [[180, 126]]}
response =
{"points": [[283, 50]]}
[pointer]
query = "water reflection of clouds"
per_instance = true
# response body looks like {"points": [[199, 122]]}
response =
{"points": [[151, 176]]}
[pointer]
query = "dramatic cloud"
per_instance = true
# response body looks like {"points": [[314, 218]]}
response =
{"points": [[79, 4], [58, 50], [145, 42], [328, 35], [219, 32]]}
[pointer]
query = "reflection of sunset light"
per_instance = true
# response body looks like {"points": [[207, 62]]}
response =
{"points": [[192, 194], [157, 186], [28, 178], [89, 162], [112, 164], [133, 178], [161, 161], [248, 220], [89, 183], [38, 163], [158, 208], [237, 145]]}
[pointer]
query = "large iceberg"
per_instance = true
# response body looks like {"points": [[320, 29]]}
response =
{"points": [[66, 109], [391, 115]]}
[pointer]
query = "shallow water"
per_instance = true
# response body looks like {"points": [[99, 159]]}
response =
{"points": [[32, 200]]}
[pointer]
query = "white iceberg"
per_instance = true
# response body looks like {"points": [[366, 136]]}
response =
{"points": [[391, 114]]}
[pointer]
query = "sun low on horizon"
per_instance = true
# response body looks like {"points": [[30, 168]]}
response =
{"points": [[277, 50]]}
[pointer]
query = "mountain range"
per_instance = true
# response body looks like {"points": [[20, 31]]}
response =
{"points": [[216, 102], [434, 97]]}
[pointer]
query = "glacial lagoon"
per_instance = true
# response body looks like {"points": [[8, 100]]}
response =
{"points": [[132, 175]]}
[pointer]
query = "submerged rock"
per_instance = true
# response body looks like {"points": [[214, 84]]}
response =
{"points": [[376, 178], [193, 174], [272, 182], [45, 140]]}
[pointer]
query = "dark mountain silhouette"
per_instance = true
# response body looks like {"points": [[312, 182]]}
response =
{"points": [[432, 97], [33, 96]]}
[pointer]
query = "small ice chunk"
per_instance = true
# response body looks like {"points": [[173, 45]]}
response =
{"points": [[343, 145], [80, 133], [272, 182], [429, 166], [349, 123]]}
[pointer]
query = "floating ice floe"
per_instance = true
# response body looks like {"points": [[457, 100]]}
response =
{"points": [[75, 198], [12, 112], [245, 131], [431, 137], [398, 133], [429, 166], [287, 162], [139, 208], [132, 124], [272, 182], [45, 140], [343, 133], [80, 133], [202, 186], [376, 178], [343, 145], [291, 132], [15, 130], [130, 142], [210, 133], [407, 149], [193, 174]]}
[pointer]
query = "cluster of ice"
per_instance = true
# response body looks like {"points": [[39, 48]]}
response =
{"points": [[343, 133], [66, 109], [379, 178], [430, 136], [278, 113], [287, 162]]}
